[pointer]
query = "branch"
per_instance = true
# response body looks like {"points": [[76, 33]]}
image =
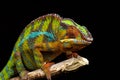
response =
{"points": [[67, 65]]}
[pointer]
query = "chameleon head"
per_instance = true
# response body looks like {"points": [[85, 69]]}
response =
{"points": [[77, 36]]}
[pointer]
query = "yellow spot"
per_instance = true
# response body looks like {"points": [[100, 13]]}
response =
{"points": [[78, 37], [25, 45], [37, 24], [44, 29], [46, 24], [55, 25], [62, 33], [27, 31], [18, 41], [26, 50], [6, 76], [39, 39]]}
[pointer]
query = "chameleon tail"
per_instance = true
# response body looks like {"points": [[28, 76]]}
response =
{"points": [[8, 70]]}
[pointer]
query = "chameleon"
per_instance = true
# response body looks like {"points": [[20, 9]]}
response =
{"points": [[41, 41]]}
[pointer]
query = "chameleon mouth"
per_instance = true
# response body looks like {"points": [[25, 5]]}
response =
{"points": [[74, 44], [87, 37], [75, 41]]}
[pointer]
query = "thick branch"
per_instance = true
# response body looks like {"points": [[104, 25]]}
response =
{"points": [[67, 65]]}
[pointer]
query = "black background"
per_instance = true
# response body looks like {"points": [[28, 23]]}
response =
{"points": [[15, 16]]}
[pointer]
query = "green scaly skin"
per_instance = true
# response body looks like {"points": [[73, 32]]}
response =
{"points": [[43, 40]]}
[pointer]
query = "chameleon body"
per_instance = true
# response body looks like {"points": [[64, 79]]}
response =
{"points": [[42, 40]]}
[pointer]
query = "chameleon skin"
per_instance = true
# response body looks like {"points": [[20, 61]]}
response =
{"points": [[42, 40]]}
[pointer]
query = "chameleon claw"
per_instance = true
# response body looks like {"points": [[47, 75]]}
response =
{"points": [[46, 68], [24, 75], [74, 55], [71, 54]]}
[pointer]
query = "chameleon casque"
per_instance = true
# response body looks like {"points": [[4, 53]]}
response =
{"points": [[42, 40]]}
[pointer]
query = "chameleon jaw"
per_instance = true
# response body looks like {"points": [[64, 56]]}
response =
{"points": [[75, 41]]}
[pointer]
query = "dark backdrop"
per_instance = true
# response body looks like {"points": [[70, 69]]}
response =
{"points": [[15, 16]]}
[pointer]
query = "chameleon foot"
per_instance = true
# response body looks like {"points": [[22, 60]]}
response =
{"points": [[72, 55], [46, 68], [24, 75]]}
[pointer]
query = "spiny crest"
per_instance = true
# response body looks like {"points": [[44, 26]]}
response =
{"points": [[36, 22], [47, 16], [40, 22]]}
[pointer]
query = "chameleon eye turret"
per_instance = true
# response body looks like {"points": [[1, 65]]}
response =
{"points": [[77, 36], [86, 35]]}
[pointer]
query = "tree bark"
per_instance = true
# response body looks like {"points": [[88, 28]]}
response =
{"points": [[67, 65]]}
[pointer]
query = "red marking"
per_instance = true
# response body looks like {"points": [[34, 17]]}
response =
{"points": [[72, 32], [47, 65], [46, 68]]}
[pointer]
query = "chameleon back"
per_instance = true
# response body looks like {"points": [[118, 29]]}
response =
{"points": [[42, 29]]}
